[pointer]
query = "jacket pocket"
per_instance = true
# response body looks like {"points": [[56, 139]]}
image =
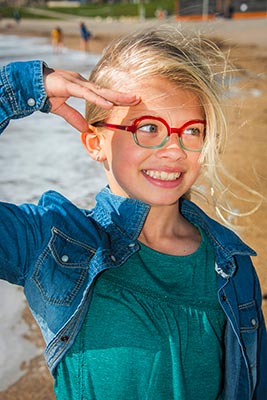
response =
{"points": [[62, 268], [249, 323]]}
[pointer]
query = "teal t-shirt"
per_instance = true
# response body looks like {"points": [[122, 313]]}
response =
{"points": [[154, 331]]}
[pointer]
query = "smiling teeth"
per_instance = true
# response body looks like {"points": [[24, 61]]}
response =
{"points": [[163, 175]]}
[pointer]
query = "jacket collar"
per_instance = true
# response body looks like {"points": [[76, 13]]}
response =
{"points": [[128, 216], [124, 214], [226, 243], [229, 243]]}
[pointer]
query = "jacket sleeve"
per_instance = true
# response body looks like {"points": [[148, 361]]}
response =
{"points": [[22, 91], [25, 231], [252, 328]]}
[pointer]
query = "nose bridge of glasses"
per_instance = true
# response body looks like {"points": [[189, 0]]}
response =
{"points": [[175, 130]]}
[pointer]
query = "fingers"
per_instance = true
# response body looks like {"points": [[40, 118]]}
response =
{"points": [[108, 97], [65, 84], [102, 97]]}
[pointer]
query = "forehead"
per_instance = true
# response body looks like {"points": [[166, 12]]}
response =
{"points": [[158, 97]]}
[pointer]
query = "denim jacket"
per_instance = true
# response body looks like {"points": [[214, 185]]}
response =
{"points": [[56, 251]]}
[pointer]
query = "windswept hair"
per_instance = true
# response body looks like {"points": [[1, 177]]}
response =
{"points": [[191, 62]]}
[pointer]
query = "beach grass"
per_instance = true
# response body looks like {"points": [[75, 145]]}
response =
{"points": [[24, 12], [115, 10]]}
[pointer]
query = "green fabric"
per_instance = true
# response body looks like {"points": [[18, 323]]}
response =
{"points": [[154, 332]]}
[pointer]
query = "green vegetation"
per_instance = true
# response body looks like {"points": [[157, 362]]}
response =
{"points": [[117, 10], [8, 12], [94, 10]]}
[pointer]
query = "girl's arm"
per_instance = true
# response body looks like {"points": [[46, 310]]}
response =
{"points": [[30, 86]]}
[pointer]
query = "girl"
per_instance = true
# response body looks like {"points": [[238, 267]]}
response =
{"points": [[144, 296]]}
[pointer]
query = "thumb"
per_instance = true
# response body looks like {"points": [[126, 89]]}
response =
{"points": [[72, 116]]}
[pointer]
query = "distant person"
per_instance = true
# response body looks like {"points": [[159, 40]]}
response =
{"points": [[57, 39], [85, 35], [160, 13], [230, 11], [17, 16]]}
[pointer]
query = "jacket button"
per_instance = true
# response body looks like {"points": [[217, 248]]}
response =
{"points": [[65, 258], [64, 338], [223, 297], [253, 322], [31, 102], [113, 258]]}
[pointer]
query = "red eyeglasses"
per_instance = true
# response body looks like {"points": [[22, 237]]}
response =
{"points": [[154, 132]]}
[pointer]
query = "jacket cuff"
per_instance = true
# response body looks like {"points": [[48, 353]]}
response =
{"points": [[25, 88]]}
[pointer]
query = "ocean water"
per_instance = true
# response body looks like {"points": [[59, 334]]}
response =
{"points": [[43, 152], [39, 153]]}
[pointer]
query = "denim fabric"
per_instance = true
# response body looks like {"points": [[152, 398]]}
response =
{"points": [[18, 100], [55, 251]]}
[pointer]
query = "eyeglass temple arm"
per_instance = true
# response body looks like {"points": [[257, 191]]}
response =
{"points": [[114, 126]]}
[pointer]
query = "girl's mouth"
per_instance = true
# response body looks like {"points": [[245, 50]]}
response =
{"points": [[162, 175]]}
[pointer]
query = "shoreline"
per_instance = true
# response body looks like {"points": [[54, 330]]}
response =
{"points": [[71, 40], [230, 32]]}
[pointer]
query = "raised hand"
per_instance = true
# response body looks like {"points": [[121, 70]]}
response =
{"points": [[61, 85]]}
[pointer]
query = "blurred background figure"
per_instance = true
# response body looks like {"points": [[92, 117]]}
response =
{"points": [[85, 36], [17, 16], [57, 39], [160, 13]]}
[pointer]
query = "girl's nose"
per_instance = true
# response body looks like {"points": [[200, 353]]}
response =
{"points": [[172, 148]]}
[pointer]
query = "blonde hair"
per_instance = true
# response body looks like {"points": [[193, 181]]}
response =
{"points": [[190, 62]]}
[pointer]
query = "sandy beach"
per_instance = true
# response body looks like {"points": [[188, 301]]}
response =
{"points": [[245, 156]]}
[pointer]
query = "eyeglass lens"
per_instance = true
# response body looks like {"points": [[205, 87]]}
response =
{"points": [[154, 133]]}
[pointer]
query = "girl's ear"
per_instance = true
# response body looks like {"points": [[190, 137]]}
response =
{"points": [[92, 142]]}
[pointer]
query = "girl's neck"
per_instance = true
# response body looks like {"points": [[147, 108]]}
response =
{"points": [[167, 231]]}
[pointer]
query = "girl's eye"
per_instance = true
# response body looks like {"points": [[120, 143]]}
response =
{"points": [[193, 131], [148, 128]]}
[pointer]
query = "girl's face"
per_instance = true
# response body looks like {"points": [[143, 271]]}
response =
{"points": [[155, 176]]}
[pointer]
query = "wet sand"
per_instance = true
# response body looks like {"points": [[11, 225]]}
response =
{"points": [[245, 155]]}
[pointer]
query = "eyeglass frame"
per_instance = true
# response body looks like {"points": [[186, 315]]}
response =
{"points": [[133, 128]]}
